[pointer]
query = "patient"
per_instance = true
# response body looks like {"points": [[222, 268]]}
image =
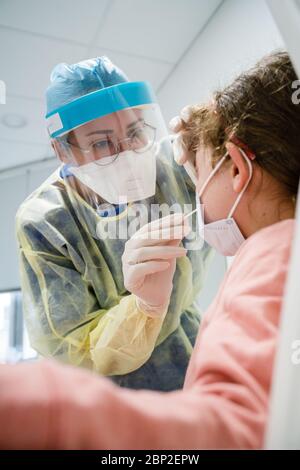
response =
{"points": [[247, 144]]}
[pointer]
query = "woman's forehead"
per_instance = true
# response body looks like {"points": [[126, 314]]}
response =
{"points": [[124, 116], [113, 122]]}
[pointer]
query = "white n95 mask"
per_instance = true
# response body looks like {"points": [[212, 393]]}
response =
{"points": [[223, 235], [130, 177]]}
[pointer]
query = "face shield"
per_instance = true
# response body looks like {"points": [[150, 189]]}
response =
{"points": [[108, 142]]}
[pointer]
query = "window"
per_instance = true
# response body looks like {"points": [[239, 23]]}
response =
{"points": [[14, 342]]}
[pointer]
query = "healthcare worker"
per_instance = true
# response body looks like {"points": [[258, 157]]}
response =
{"points": [[224, 403], [117, 161]]}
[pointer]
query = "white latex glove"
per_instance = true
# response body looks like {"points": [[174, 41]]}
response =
{"points": [[182, 155], [149, 262]]}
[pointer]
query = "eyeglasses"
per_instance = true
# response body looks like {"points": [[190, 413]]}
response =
{"points": [[106, 150]]}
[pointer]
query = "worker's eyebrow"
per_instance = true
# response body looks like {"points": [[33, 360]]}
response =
{"points": [[134, 123], [111, 131], [102, 131]]}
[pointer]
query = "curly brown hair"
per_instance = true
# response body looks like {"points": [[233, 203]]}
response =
{"points": [[257, 109]]}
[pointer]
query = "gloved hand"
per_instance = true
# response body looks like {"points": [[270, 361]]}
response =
{"points": [[149, 262], [177, 125]]}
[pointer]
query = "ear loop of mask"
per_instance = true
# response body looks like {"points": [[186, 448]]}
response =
{"points": [[245, 187], [219, 164]]}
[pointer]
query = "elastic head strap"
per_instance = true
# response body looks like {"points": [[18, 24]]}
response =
{"points": [[250, 154]]}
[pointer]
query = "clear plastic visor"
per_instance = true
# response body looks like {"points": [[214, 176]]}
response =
{"points": [[103, 140]]}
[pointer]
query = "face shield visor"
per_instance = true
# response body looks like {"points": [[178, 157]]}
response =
{"points": [[108, 142]]}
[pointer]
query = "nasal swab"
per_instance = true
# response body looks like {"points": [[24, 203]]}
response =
{"points": [[190, 213]]}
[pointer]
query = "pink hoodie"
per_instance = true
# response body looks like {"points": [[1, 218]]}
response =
{"points": [[224, 402]]}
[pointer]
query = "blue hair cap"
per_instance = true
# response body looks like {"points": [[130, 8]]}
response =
{"points": [[69, 82]]}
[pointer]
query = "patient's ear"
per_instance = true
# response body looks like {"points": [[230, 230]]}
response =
{"points": [[239, 168]]}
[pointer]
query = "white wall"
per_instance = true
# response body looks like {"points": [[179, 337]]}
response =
{"points": [[239, 33]]}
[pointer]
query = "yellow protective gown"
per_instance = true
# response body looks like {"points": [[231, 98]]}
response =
{"points": [[75, 305]]}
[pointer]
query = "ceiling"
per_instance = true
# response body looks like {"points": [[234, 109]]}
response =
{"points": [[145, 38]]}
